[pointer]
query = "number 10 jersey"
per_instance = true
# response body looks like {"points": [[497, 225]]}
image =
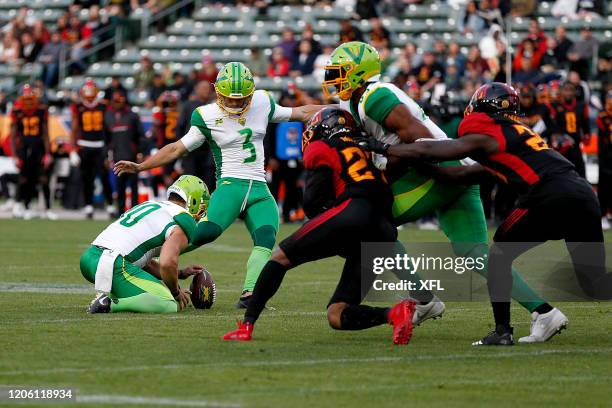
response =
{"points": [[236, 141]]}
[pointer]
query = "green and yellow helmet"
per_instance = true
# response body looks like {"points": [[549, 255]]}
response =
{"points": [[234, 87], [194, 192], [352, 65]]}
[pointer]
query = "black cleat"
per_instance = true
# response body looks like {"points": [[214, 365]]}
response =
{"points": [[499, 337], [244, 300], [101, 304]]}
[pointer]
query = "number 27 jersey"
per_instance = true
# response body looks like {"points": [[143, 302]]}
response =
{"points": [[523, 157], [236, 142]]}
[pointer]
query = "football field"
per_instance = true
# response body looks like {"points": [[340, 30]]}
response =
{"points": [[295, 360]]}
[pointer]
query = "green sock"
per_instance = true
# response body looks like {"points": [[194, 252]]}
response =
{"points": [[258, 259], [144, 303]]}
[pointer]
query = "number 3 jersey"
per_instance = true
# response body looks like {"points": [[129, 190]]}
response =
{"points": [[337, 169], [523, 158], [236, 142], [139, 233]]}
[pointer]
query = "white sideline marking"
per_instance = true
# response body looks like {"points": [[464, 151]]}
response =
{"points": [[134, 400], [272, 363]]}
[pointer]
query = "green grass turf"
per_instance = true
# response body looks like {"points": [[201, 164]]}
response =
{"points": [[296, 360]]}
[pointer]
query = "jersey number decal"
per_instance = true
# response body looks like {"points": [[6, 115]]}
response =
{"points": [[357, 162], [570, 122], [131, 217], [248, 145], [170, 131], [92, 121], [31, 126], [534, 140]]}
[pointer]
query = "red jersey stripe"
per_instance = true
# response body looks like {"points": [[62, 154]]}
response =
{"points": [[517, 165], [320, 219]]}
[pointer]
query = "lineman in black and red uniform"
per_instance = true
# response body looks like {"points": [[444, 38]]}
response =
{"points": [[349, 202], [89, 141], [572, 123], [165, 120], [549, 190], [31, 147], [604, 187]]}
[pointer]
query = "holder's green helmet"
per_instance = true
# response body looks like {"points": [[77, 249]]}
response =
{"points": [[352, 65], [234, 87], [194, 192]]}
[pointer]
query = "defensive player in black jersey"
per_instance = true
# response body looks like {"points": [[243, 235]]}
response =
{"points": [[604, 186], [89, 142], [549, 190], [348, 202], [31, 147]]}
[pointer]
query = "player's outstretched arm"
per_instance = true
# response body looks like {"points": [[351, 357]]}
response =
{"points": [[168, 265], [306, 112], [165, 155], [471, 174]]}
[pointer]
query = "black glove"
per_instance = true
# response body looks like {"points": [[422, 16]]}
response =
{"points": [[372, 145]]}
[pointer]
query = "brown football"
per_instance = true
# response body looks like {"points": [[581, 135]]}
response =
{"points": [[203, 290]]}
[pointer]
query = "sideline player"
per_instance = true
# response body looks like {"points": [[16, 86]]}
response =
{"points": [[234, 127], [348, 202], [549, 189], [390, 116], [120, 260], [89, 142], [30, 145]]}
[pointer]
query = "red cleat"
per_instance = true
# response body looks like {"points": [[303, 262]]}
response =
{"points": [[400, 316], [244, 332]]}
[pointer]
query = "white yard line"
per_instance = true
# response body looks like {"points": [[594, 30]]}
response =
{"points": [[148, 401], [311, 362]]}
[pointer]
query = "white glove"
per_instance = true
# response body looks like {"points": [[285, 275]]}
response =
{"points": [[74, 158], [379, 161]]}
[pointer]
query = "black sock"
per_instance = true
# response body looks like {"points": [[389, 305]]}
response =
{"points": [[501, 313], [545, 308], [267, 284], [359, 317]]}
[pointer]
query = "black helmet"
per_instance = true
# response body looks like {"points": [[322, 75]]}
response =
{"points": [[328, 123], [494, 98]]}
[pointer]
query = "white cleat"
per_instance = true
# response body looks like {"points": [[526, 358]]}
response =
{"points": [[29, 214], [605, 224], [431, 310], [18, 210], [8, 205], [50, 215], [545, 326]]}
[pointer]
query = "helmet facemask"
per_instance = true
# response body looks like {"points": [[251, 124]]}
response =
{"points": [[234, 105]]}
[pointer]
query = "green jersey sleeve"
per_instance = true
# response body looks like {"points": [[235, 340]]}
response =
{"points": [[379, 104], [187, 224]]}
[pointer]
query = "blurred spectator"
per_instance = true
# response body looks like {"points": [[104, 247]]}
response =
{"points": [[209, 71], [365, 9], [380, 37], [9, 49], [157, 88], [349, 32], [288, 43], [115, 86], [49, 56], [279, 64], [321, 61], [258, 63], [583, 92], [40, 32], [589, 8], [125, 135], [180, 85], [472, 22], [308, 35], [528, 74], [29, 48], [452, 79], [429, 73], [439, 50], [581, 53], [490, 12], [411, 54], [303, 60], [562, 46], [532, 47], [476, 66], [143, 78]]}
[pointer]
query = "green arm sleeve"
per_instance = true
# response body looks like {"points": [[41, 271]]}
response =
{"points": [[379, 104], [187, 224]]}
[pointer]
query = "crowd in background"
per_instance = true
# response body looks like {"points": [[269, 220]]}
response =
{"points": [[440, 76]]}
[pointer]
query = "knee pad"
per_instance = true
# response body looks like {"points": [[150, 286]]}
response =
{"points": [[264, 236]]}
